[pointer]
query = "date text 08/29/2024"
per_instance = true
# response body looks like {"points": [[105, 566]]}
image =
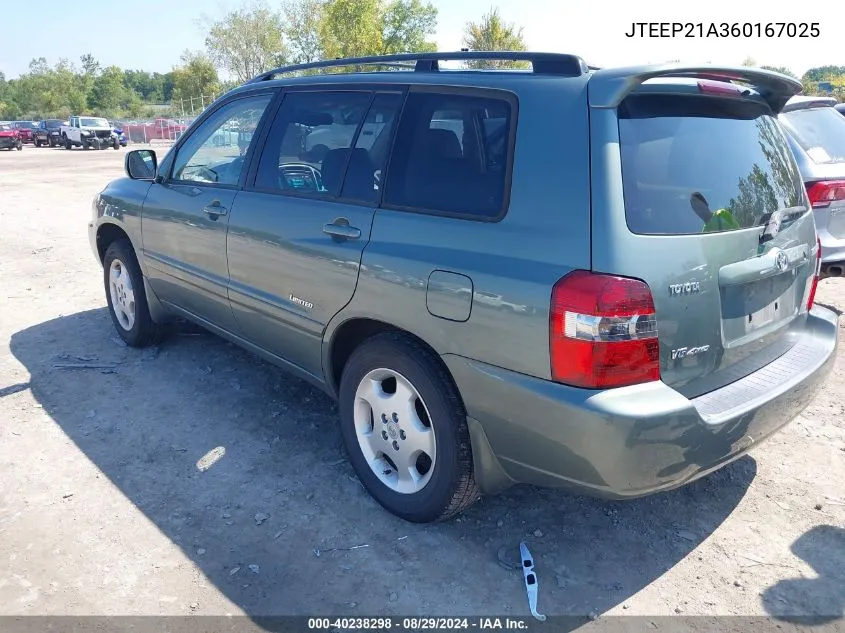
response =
{"points": [[418, 623], [724, 29]]}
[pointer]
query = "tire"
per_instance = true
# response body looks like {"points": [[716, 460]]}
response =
{"points": [[85, 145], [137, 329], [68, 144], [448, 486], [19, 146], [115, 144], [51, 142]]}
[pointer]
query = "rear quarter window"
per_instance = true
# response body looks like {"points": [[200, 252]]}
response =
{"points": [[452, 155], [693, 164], [820, 132]]}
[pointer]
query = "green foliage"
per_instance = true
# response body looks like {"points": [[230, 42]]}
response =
{"points": [[196, 76], [359, 28], [824, 73], [351, 28], [301, 29], [90, 66], [405, 26], [492, 33], [783, 70], [63, 89], [150, 87], [108, 91], [832, 75], [247, 41], [758, 193]]}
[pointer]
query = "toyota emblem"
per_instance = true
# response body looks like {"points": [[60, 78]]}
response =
{"points": [[782, 261]]}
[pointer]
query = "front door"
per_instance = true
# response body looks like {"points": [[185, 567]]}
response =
{"points": [[186, 216], [298, 230]]}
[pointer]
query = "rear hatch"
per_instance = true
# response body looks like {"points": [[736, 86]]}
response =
{"points": [[704, 202]]}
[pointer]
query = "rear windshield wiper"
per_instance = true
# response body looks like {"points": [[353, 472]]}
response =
{"points": [[771, 222]]}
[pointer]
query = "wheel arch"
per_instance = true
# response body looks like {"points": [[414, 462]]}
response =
{"points": [[347, 335], [110, 232], [107, 234], [343, 337]]}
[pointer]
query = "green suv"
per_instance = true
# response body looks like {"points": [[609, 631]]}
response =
{"points": [[600, 280]]}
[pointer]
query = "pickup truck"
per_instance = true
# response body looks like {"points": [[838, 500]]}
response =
{"points": [[87, 132], [48, 132]]}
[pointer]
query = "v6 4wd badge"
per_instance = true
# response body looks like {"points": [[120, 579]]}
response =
{"points": [[683, 352]]}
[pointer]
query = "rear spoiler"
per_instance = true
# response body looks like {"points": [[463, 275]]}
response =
{"points": [[809, 102], [609, 86]]}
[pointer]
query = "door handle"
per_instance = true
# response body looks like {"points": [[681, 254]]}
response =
{"points": [[214, 210], [340, 230]]}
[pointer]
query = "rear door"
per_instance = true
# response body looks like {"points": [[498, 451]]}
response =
{"points": [[298, 230], [699, 196]]}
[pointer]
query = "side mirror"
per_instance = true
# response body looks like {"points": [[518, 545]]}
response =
{"points": [[141, 164]]}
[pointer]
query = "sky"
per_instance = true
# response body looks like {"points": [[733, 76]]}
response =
{"points": [[152, 34]]}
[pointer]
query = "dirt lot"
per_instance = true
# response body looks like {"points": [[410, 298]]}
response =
{"points": [[104, 511]]}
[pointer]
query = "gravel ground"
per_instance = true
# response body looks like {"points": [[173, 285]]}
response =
{"points": [[103, 509]]}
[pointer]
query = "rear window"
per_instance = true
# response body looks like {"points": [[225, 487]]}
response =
{"points": [[818, 131], [452, 156], [695, 164]]}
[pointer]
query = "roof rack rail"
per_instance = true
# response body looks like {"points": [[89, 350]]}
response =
{"points": [[559, 64]]}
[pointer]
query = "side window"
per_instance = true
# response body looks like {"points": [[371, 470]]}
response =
{"points": [[310, 144], [451, 155], [368, 159], [215, 152]]}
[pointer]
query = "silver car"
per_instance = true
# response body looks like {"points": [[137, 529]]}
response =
{"points": [[816, 134]]}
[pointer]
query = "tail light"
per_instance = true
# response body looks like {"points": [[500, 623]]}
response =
{"points": [[602, 331], [824, 192], [814, 280], [718, 87]]}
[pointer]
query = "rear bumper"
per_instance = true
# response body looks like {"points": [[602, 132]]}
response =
{"points": [[632, 441], [6, 142]]}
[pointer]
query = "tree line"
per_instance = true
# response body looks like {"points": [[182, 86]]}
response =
{"points": [[240, 45], [258, 37]]}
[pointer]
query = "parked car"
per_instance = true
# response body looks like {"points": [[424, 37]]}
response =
{"points": [[653, 223], [87, 132], [26, 129], [48, 132], [816, 135], [159, 129], [840, 108], [10, 137], [121, 137]]}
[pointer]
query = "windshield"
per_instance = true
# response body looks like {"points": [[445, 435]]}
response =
{"points": [[694, 164], [5, 127], [86, 122], [819, 131], [25, 124], [53, 123]]}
